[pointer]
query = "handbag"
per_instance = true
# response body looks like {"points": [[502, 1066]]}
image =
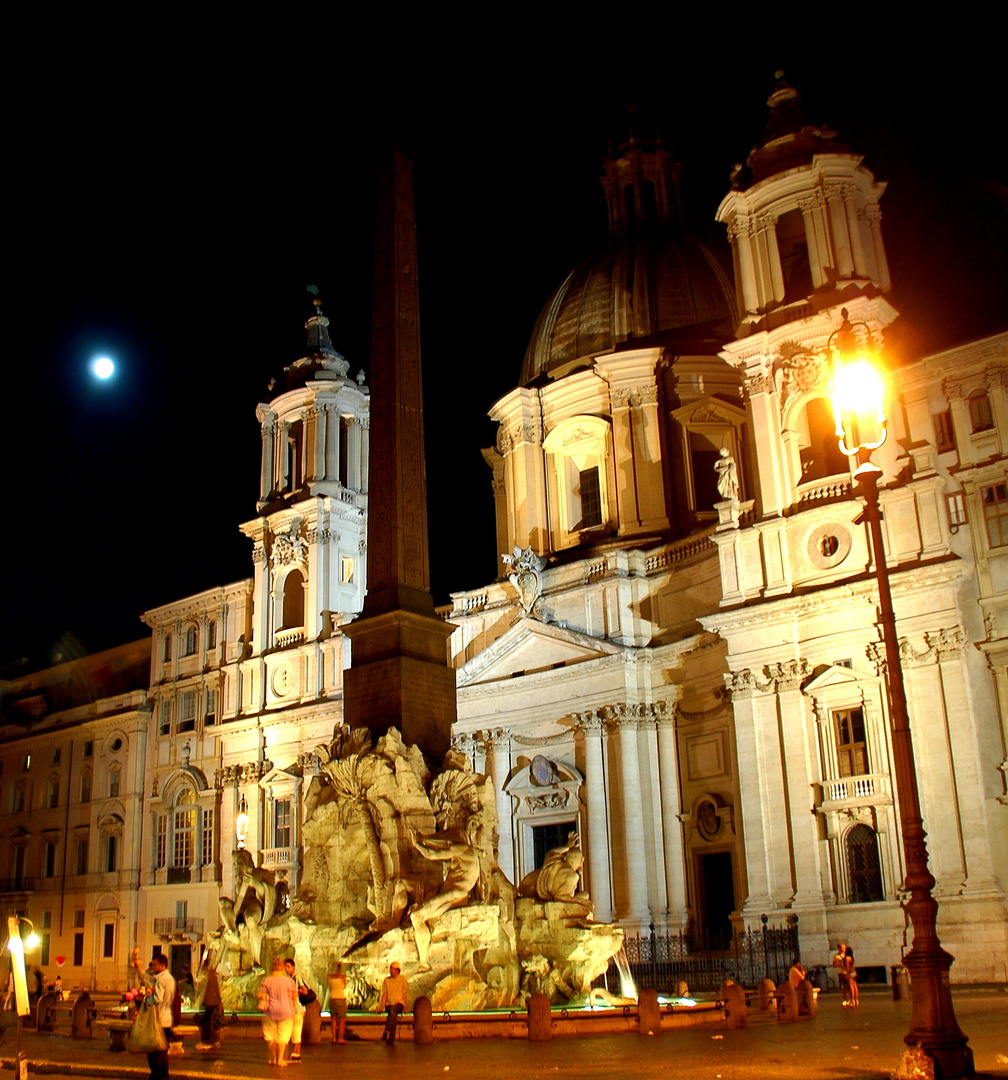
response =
{"points": [[306, 995], [146, 1036]]}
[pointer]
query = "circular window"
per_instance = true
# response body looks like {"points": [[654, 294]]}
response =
{"points": [[116, 744], [708, 821], [828, 545]]}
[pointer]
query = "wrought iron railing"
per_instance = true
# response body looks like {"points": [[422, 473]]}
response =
{"points": [[168, 926], [660, 961]]}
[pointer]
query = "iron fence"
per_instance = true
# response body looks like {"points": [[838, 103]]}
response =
{"points": [[661, 961]]}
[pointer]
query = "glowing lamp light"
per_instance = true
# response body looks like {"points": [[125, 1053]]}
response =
{"points": [[242, 823], [858, 407], [103, 367], [32, 941]]}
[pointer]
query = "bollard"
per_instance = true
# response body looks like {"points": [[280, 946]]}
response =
{"points": [[46, 1013], [787, 1003], [648, 1013], [808, 1003], [736, 1015], [767, 993], [540, 1020], [423, 1021], [80, 1016], [311, 1030]]}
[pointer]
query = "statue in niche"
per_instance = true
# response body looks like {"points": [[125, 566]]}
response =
{"points": [[253, 906], [461, 852], [727, 470], [559, 876]]}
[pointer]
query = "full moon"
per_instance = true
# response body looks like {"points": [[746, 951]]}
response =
{"points": [[103, 367]]}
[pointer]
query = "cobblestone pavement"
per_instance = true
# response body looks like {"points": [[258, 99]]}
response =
{"points": [[853, 1044]]}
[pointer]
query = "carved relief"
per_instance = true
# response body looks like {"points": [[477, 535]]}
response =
{"points": [[526, 577], [289, 547]]}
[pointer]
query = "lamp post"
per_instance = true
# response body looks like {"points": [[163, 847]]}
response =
{"points": [[861, 428], [16, 946]]}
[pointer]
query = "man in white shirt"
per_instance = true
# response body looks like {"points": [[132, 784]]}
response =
{"points": [[162, 985]]}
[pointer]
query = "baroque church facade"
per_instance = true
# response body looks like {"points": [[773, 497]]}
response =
{"points": [[688, 675]]}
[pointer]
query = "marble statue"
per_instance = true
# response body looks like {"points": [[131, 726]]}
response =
{"points": [[727, 470]]}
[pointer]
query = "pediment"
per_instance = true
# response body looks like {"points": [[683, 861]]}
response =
{"points": [[709, 410], [280, 778], [832, 678], [531, 646]]}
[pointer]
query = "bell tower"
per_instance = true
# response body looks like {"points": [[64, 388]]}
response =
{"points": [[309, 540]]}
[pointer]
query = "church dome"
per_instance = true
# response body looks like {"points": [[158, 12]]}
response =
{"points": [[650, 281]]}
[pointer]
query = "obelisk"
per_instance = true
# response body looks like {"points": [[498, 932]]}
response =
{"points": [[399, 674]]}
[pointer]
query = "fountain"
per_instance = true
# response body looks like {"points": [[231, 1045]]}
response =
{"points": [[400, 864]]}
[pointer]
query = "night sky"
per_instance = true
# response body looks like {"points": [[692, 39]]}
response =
{"points": [[171, 203]]}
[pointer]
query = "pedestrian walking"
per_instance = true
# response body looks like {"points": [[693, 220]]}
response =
{"points": [[213, 1009], [160, 984], [337, 1005], [277, 994], [394, 999]]}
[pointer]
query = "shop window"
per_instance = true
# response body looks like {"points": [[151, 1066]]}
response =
{"points": [[852, 749], [995, 507], [863, 868]]}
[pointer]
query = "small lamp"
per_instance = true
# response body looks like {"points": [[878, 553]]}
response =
{"points": [[242, 823]]}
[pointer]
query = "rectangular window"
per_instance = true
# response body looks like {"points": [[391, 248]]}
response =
{"points": [[85, 786], [956, 504], [81, 855], [55, 756], [282, 823], [44, 939], [110, 854], [19, 798], [207, 838], [78, 918], [187, 710], [852, 750], [78, 958], [347, 570], [190, 641], [108, 941], [25, 762], [167, 648], [113, 784], [211, 634], [161, 842], [590, 492], [210, 716], [53, 794], [944, 432], [995, 507], [164, 710], [89, 748], [49, 859], [182, 853]]}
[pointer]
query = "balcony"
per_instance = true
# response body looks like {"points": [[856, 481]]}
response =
{"points": [[278, 857], [17, 884], [856, 791], [294, 635], [169, 927]]}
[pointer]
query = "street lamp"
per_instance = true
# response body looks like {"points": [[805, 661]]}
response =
{"points": [[861, 428], [16, 946], [242, 823]]}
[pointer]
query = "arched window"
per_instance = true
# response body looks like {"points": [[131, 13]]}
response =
{"points": [[820, 450], [190, 641], [183, 834], [293, 600], [863, 868], [981, 417]]}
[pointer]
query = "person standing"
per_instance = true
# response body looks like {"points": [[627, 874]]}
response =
{"points": [[852, 986], [299, 1011], [337, 1005], [161, 986], [213, 1007], [840, 964], [277, 994], [394, 999]]}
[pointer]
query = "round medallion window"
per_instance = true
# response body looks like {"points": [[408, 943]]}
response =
{"points": [[708, 822], [116, 744], [828, 545]]}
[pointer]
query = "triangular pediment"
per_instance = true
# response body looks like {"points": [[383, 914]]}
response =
{"points": [[834, 676], [532, 646]]}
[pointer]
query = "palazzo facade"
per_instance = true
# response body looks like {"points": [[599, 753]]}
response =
{"points": [[692, 678]]}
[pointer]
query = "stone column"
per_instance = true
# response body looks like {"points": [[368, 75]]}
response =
{"points": [[817, 250], [624, 719], [798, 750], [738, 232], [768, 225], [873, 215], [861, 263], [672, 832], [281, 446], [597, 856], [838, 227], [318, 414], [267, 421], [498, 747]]}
